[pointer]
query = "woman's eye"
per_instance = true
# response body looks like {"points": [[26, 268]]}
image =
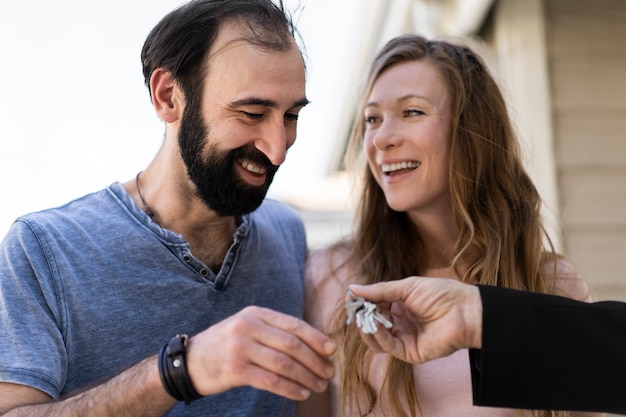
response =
{"points": [[413, 112], [371, 119]]}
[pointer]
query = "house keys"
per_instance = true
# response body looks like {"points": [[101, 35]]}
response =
{"points": [[365, 314]]}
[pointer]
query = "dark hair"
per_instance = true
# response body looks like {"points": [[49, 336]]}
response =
{"points": [[179, 43]]}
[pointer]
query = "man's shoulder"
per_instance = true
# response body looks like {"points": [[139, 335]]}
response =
{"points": [[275, 217], [84, 209], [277, 209]]}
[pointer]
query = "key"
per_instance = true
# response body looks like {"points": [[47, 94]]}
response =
{"points": [[380, 317], [352, 307], [365, 314]]}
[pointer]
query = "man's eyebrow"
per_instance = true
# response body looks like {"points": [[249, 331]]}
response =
{"points": [[301, 103], [253, 101]]}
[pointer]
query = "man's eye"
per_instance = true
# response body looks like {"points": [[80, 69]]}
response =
{"points": [[291, 116], [252, 116]]}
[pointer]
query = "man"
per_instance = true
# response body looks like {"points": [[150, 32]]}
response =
{"points": [[527, 350], [90, 293]]}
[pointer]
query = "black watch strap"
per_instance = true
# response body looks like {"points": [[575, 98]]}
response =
{"points": [[173, 370]]}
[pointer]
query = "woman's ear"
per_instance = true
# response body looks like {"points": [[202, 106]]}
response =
{"points": [[167, 97]]}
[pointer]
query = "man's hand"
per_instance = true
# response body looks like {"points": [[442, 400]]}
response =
{"points": [[261, 348], [432, 317]]}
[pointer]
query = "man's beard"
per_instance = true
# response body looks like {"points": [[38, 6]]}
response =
{"points": [[214, 177]]}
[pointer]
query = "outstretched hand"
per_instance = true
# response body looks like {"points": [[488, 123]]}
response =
{"points": [[432, 317], [264, 349]]}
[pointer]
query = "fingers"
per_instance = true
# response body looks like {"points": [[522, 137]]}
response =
{"points": [[379, 342], [400, 341], [296, 349], [438, 316], [264, 349], [280, 373], [260, 378], [389, 292], [312, 337]]}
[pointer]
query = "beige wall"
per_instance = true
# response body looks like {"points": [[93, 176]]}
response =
{"points": [[587, 65], [562, 64]]}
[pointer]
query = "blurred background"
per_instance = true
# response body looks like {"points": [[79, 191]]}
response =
{"points": [[75, 115]]}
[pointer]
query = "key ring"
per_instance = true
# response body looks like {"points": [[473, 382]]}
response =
{"points": [[365, 313], [352, 306]]}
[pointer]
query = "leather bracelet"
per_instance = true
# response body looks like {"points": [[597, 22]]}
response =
{"points": [[173, 370]]}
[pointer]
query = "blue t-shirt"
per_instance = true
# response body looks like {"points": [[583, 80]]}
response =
{"points": [[91, 288]]}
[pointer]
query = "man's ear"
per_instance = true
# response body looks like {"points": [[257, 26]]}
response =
{"points": [[167, 97]]}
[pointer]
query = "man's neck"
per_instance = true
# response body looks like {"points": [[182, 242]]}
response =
{"points": [[169, 195]]}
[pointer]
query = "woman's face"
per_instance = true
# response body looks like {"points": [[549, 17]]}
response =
{"points": [[407, 131]]}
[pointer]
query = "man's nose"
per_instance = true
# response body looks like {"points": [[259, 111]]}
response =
{"points": [[274, 142]]}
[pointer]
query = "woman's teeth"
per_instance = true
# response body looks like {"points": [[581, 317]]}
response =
{"points": [[389, 168]]}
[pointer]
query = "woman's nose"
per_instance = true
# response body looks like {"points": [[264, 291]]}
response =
{"points": [[387, 135]]}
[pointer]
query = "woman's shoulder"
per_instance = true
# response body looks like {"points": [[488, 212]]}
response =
{"points": [[570, 283], [332, 261], [328, 272]]}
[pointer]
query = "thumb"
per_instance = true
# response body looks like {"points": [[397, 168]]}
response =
{"points": [[391, 291]]}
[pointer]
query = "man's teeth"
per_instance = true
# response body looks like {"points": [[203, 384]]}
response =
{"points": [[387, 168], [251, 167]]}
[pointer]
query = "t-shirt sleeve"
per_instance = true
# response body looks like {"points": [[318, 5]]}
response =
{"points": [[31, 316]]}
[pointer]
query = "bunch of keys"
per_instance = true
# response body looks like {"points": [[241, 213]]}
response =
{"points": [[365, 313]]}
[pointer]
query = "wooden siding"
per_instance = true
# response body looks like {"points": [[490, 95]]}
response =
{"points": [[587, 61]]}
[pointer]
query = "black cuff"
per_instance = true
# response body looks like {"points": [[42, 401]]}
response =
{"points": [[173, 370]]}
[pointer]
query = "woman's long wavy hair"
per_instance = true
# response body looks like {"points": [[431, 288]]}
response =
{"points": [[495, 205]]}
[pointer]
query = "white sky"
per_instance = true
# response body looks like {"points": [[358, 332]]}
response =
{"points": [[75, 115]]}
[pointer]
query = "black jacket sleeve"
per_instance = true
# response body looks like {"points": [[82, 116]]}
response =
{"points": [[547, 352]]}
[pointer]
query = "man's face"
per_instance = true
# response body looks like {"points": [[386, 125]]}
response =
{"points": [[233, 141]]}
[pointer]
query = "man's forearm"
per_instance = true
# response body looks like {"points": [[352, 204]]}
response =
{"points": [[135, 392]]}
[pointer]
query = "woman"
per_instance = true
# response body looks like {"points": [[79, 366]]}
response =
{"points": [[444, 194]]}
